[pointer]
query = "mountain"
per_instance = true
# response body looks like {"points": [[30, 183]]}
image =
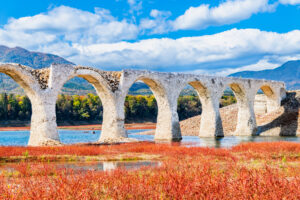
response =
{"points": [[39, 60], [32, 59], [289, 73]]}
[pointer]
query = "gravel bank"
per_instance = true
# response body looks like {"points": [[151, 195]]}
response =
{"points": [[284, 121]]}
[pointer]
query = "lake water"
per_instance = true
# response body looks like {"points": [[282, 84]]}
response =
{"points": [[90, 166], [20, 138]]}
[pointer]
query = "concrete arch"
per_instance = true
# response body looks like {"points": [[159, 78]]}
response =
{"points": [[95, 77], [113, 124], [35, 84], [238, 90], [167, 128], [272, 96], [246, 121], [202, 91], [42, 86], [23, 76], [211, 124]]}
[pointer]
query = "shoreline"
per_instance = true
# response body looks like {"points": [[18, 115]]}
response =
{"points": [[147, 125]]}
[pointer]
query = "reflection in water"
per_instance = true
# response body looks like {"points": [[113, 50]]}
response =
{"points": [[109, 165], [93, 166], [20, 138]]}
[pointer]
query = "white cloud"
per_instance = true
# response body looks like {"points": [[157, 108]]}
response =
{"points": [[66, 25], [262, 64], [158, 13], [231, 49], [97, 39], [291, 2], [203, 16], [231, 11], [135, 6], [157, 24]]}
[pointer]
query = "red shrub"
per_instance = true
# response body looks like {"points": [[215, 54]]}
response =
{"points": [[186, 173]]}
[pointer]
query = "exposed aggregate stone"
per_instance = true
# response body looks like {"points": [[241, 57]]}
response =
{"points": [[111, 77], [42, 76]]}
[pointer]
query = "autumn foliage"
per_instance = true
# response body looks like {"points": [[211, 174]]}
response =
{"points": [[247, 171]]}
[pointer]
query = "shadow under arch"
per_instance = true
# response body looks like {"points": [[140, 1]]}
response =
{"points": [[287, 122], [271, 98], [238, 91]]}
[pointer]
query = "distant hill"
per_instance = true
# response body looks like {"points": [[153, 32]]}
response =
{"points": [[39, 60], [289, 72], [32, 59], [22, 56]]}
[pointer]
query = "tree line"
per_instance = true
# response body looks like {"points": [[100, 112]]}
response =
{"points": [[89, 107]]}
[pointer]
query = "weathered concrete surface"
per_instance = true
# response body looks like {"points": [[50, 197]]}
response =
{"points": [[43, 86], [260, 104]]}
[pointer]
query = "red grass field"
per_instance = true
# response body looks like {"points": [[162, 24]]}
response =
{"points": [[247, 171]]}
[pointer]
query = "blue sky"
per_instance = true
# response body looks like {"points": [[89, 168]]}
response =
{"points": [[210, 37]]}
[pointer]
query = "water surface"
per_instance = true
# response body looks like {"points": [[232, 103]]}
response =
{"points": [[91, 166], [20, 138]]}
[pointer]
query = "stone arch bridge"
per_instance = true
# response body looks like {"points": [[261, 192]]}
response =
{"points": [[42, 86]]}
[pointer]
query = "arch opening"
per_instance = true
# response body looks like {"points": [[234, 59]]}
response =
{"points": [[79, 106], [274, 118], [189, 108], [141, 106], [266, 101], [229, 105], [15, 83], [15, 101]]}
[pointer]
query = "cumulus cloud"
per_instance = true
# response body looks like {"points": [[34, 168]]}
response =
{"points": [[204, 15], [291, 2], [227, 12], [99, 39], [227, 50], [66, 25]]}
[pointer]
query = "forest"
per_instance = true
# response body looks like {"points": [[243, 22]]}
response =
{"points": [[138, 108]]}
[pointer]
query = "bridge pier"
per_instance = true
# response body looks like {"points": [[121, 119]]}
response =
{"points": [[167, 127], [113, 129], [246, 122], [209, 92], [211, 123], [165, 91], [43, 128]]}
